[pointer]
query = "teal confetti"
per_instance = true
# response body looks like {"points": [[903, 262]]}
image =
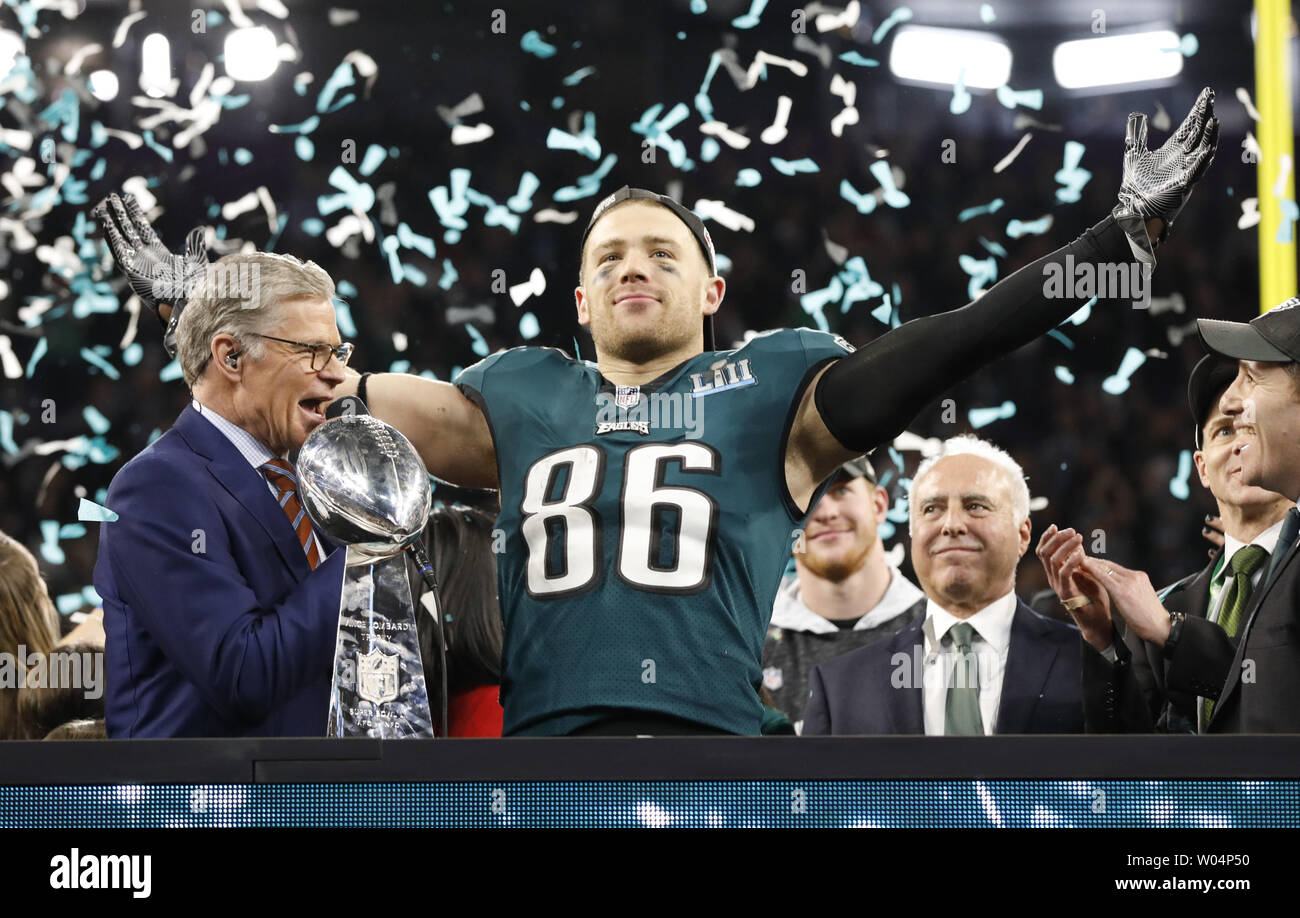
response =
{"points": [[304, 149], [989, 208], [748, 178], [522, 200], [681, 36], [400, 366], [981, 272], [993, 247], [71, 531], [480, 346], [171, 372], [1083, 313], [578, 76], [587, 185], [243, 157], [375, 155], [1071, 175], [853, 57], [557, 103], [709, 149], [1178, 485], [50, 550], [791, 167], [655, 130], [96, 421], [313, 226], [1018, 228], [986, 13], [343, 317], [1029, 98], [41, 347], [131, 356], [67, 603], [532, 43], [982, 417], [699, 6], [7, 432], [95, 360], [529, 327], [164, 153], [91, 512], [1285, 225], [902, 14], [1119, 383], [346, 288], [750, 19], [449, 275], [1064, 375]]}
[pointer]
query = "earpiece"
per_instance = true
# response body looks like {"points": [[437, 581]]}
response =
{"points": [[233, 360]]}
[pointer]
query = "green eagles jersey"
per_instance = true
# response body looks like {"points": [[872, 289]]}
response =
{"points": [[646, 529]]}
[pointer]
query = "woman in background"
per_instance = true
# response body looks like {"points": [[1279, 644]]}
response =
{"points": [[28, 619]]}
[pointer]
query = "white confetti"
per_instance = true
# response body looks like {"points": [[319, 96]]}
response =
{"points": [[550, 215], [719, 211], [534, 286], [463, 134], [1010, 157], [119, 37], [1244, 98], [733, 139], [776, 131]]}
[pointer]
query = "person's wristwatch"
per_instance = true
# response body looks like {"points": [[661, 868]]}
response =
{"points": [[1176, 620]]}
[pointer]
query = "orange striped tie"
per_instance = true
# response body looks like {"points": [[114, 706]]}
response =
{"points": [[280, 473]]}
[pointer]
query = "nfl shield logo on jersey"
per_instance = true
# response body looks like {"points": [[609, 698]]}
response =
{"points": [[627, 396], [773, 678], [377, 676]]}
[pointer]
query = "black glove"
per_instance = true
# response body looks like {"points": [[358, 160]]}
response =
{"points": [[1157, 183], [156, 275]]}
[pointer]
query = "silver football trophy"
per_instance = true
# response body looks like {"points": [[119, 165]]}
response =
{"points": [[363, 484]]}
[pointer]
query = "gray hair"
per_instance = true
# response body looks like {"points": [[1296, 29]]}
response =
{"points": [[238, 295], [968, 444]]}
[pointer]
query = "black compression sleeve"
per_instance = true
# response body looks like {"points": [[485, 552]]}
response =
{"points": [[870, 397]]}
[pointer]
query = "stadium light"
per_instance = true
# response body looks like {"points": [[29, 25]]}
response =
{"points": [[924, 54], [1139, 57], [251, 54], [11, 45], [156, 65], [103, 85]]}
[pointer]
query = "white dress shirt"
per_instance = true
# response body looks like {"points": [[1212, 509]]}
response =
{"points": [[990, 644], [253, 450]]}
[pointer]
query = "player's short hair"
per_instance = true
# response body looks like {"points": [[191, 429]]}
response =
{"points": [[970, 444], [239, 295]]}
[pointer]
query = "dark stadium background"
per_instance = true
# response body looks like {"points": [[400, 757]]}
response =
{"points": [[1103, 462]]}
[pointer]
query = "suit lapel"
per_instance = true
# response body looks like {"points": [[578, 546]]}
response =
{"points": [[1256, 600], [1029, 660], [905, 705], [232, 471]]}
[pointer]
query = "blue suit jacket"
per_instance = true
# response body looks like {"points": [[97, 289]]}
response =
{"points": [[216, 625], [1041, 686]]}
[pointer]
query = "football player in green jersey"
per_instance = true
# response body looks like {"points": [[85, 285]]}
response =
{"points": [[650, 500]]}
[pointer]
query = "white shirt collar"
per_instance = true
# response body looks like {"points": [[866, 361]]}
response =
{"points": [[992, 623], [789, 610], [1266, 540], [253, 450]]}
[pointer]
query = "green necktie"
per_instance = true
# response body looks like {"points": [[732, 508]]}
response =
{"points": [[962, 711], [1243, 565]]}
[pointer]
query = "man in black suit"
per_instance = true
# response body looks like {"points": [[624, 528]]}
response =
{"points": [[981, 661], [1132, 685]]}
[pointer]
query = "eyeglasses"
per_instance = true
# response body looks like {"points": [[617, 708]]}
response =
{"points": [[320, 353]]}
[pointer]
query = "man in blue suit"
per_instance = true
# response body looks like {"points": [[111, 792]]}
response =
{"points": [[220, 601], [981, 661]]}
